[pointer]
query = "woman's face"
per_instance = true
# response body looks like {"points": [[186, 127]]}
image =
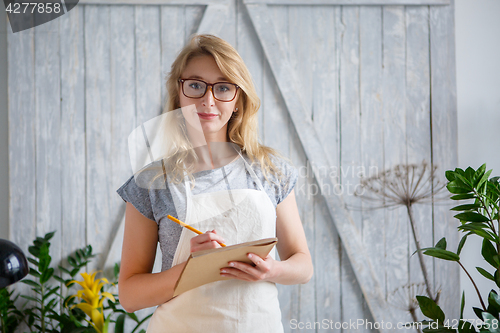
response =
{"points": [[212, 115]]}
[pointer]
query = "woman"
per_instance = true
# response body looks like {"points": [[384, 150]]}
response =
{"points": [[212, 86]]}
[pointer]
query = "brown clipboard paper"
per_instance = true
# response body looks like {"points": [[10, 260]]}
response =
{"points": [[203, 267]]}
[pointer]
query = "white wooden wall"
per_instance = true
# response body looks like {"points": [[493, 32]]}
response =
{"points": [[375, 80]]}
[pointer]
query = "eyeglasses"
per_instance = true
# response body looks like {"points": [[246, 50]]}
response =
{"points": [[222, 91]]}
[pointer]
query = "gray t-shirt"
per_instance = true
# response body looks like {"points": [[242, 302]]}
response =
{"points": [[156, 204]]}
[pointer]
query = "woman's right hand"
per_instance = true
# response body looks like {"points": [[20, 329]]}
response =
{"points": [[206, 241]]}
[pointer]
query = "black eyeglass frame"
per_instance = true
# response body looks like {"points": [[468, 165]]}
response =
{"points": [[211, 85]]}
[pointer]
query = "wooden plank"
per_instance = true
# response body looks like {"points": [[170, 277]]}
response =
{"points": [[394, 88], [301, 50], [276, 121], [211, 22], [418, 135], [22, 123], [193, 16], [326, 241], [47, 142], [248, 46], [123, 107], [98, 130], [269, 2], [371, 139], [287, 83], [148, 74], [350, 149], [348, 2], [153, 2], [148, 64], [325, 83], [444, 144], [229, 22], [72, 137], [172, 40]]}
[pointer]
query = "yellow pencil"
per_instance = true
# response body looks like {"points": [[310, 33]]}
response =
{"points": [[188, 226]]}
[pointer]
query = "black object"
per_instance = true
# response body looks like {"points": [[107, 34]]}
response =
{"points": [[13, 263]]}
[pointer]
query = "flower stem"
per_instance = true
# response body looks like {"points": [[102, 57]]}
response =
{"points": [[420, 255], [477, 290], [415, 319]]}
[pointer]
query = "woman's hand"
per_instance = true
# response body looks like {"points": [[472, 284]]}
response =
{"points": [[206, 241], [263, 269]]}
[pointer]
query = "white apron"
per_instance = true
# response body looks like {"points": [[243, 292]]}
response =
{"points": [[231, 305]]}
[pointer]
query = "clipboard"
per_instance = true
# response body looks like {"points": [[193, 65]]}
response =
{"points": [[203, 267]]}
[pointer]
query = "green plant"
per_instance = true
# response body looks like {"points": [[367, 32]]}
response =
{"points": [[45, 299], [478, 217], [49, 310], [10, 316]]}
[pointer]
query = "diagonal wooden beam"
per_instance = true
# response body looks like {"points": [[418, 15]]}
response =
{"points": [[287, 80], [213, 18]]}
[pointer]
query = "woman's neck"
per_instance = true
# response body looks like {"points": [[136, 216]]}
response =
{"points": [[214, 155]]}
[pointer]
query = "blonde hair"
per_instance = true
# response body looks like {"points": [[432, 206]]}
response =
{"points": [[242, 127]]}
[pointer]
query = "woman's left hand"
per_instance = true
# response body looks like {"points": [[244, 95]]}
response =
{"points": [[264, 269]]}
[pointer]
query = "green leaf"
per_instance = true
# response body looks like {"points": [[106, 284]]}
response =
{"points": [[463, 196], [120, 323], [477, 228], [59, 279], [462, 305], [31, 283], [106, 324], [133, 317], [49, 235], [461, 244], [116, 270], [442, 254], [63, 269], [34, 272], [494, 302], [485, 273], [466, 207], [35, 251], [490, 254], [52, 291], [483, 179], [441, 244], [44, 258], [480, 171], [430, 309], [74, 271], [46, 275], [497, 278], [78, 256], [456, 188], [492, 322], [450, 175], [72, 262], [31, 298], [471, 217], [469, 174], [33, 261]]}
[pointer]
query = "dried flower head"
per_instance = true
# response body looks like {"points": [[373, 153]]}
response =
{"points": [[403, 185]]}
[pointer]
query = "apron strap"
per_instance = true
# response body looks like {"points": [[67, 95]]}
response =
{"points": [[252, 173]]}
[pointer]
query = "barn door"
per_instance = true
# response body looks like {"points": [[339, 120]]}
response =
{"points": [[345, 86]]}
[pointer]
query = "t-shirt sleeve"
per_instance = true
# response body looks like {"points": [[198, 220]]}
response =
{"points": [[287, 181], [137, 196]]}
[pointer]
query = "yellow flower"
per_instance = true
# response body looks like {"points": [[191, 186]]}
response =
{"points": [[92, 298]]}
